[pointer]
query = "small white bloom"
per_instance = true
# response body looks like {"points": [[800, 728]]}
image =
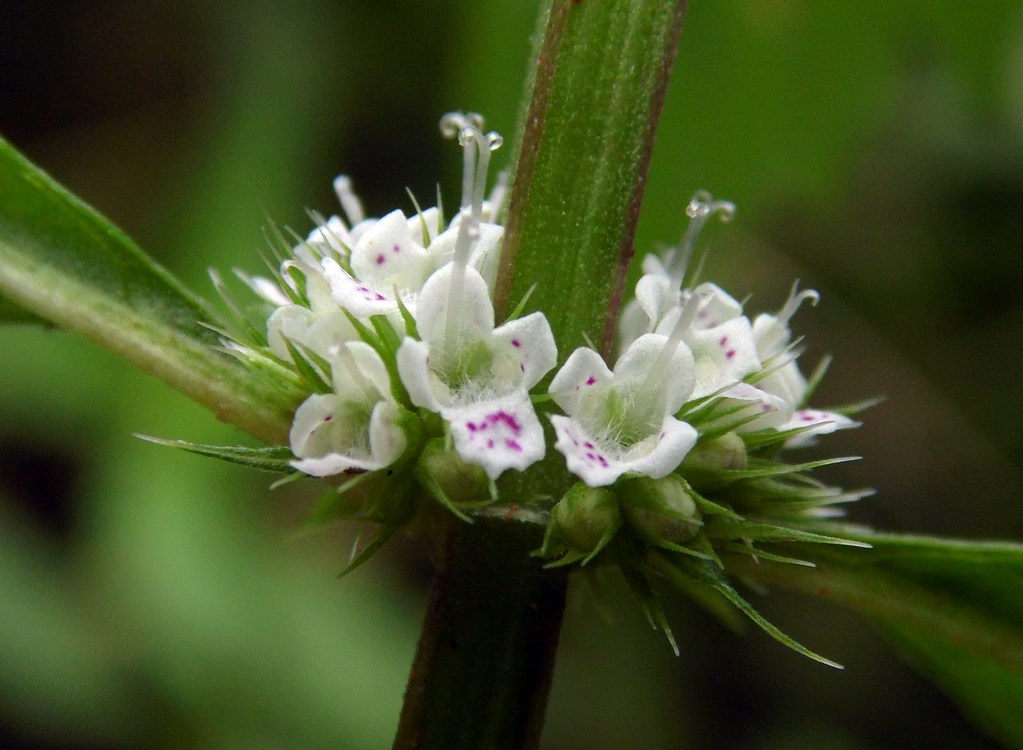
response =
{"points": [[622, 421], [477, 376], [355, 427]]}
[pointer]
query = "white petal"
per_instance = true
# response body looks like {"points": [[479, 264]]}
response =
{"points": [[370, 369], [656, 297], [770, 335], [289, 322], [414, 370], [819, 422], [598, 466], [474, 306], [724, 355], [497, 434], [425, 227], [673, 443], [678, 379], [531, 342], [653, 264], [632, 324], [332, 463], [582, 456], [358, 298], [387, 440], [770, 409], [583, 370], [386, 257], [719, 308], [330, 238]]}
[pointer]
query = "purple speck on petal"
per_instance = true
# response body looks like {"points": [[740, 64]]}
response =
{"points": [[591, 380], [503, 417], [516, 343], [513, 445], [723, 341], [588, 444], [730, 354], [472, 426], [328, 417], [396, 248], [490, 443], [603, 461], [381, 259], [522, 367]]}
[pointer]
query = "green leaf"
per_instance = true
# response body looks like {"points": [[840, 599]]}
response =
{"points": [[63, 262], [598, 87], [276, 458], [952, 608]]}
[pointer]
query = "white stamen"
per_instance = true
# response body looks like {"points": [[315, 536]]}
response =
{"points": [[350, 202], [792, 304], [477, 148], [700, 208], [653, 381]]}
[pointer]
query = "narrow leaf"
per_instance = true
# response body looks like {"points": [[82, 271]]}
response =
{"points": [[952, 608], [276, 459], [66, 264]]}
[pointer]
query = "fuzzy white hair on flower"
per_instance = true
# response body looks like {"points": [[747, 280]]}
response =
{"points": [[622, 421], [357, 426], [476, 376]]}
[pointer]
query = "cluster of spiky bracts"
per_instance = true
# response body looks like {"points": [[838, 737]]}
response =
{"points": [[676, 448]]}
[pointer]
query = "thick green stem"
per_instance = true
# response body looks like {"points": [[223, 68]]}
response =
{"points": [[602, 70], [486, 655]]}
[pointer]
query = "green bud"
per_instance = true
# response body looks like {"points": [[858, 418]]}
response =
{"points": [[583, 522], [660, 510], [705, 464], [448, 478]]}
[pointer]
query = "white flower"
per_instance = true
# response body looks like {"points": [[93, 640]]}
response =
{"points": [[355, 427], [477, 376], [622, 421], [387, 263]]}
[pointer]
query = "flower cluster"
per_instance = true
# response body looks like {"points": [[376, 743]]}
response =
{"points": [[386, 327]]}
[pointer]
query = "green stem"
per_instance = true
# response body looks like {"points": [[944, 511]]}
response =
{"points": [[601, 73], [483, 669]]}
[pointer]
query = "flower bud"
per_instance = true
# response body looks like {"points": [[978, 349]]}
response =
{"points": [[584, 521], [660, 510], [450, 479], [706, 462]]}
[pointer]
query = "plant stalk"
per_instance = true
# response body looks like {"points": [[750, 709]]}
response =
{"points": [[483, 668]]}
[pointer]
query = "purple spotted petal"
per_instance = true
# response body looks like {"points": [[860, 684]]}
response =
{"points": [[498, 434]]}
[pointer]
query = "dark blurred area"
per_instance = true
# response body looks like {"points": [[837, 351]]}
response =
{"points": [[156, 599]]}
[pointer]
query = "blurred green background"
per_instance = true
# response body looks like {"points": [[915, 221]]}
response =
{"points": [[153, 599]]}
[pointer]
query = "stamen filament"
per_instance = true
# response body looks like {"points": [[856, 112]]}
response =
{"points": [[655, 375], [795, 300], [700, 208]]}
